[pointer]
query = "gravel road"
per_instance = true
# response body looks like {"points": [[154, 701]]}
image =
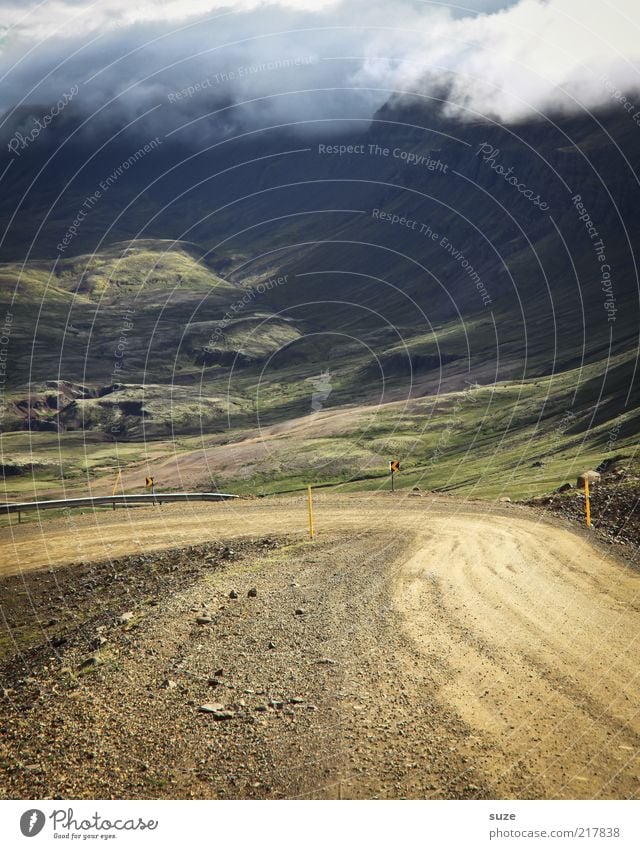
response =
{"points": [[419, 648]]}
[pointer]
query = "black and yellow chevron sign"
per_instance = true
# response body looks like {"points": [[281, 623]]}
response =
{"points": [[149, 482], [394, 465]]}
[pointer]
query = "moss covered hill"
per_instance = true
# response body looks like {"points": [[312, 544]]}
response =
{"points": [[115, 339]]}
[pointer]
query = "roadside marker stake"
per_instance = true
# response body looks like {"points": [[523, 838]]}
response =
{"points": [[150, 484], [587, 503], [115, 486], [310, 502], [394, 466]]}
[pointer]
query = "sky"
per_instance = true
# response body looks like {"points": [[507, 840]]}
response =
{"points": [[292, 61]]}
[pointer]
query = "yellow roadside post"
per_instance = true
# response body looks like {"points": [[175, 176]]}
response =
{"points": [[310, 502], [587, 504], [115, 486]]}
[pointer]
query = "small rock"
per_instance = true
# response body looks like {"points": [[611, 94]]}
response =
{"points": [[271, 645], [253, 593], [168, 684], [326, 661], [32, 768], [565, 487], [204, 620], [98, 642], [505, 499], [125, 617], [88, 662], [233, 594], [52, 622], [591, 476], [209, 707], [300, 611], [296, 700], [217, 711]]}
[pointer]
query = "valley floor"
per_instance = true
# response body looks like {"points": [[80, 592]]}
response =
{"points": [[419, 648]]}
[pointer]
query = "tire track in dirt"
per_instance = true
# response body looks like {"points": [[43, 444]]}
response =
{"points": [[542, 665]]}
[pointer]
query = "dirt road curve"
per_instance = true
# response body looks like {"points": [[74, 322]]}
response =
{"points": [[420, 648]]}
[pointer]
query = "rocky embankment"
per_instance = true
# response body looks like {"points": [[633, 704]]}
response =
{"points": [[614, 501]]}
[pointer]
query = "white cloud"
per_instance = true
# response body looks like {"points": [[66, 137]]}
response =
{"points": [[505, 58]]}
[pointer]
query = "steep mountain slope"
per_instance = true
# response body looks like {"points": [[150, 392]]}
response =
{"points": [[490, 270]]}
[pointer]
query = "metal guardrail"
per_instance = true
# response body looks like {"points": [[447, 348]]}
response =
{"points": [[114, 500]]}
